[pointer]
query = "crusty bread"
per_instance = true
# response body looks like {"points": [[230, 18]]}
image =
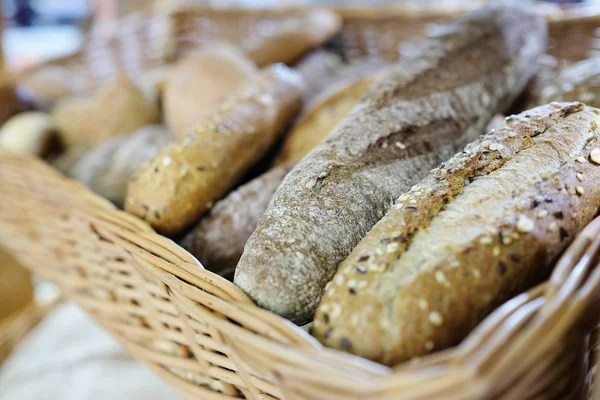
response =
{"points": [[318, 68], [201, 80], [218, 240], [108, 167], [299, 33], [417, 115], [31, 132], [320, 119], [479, 229], [115, 109], [182, 182]]}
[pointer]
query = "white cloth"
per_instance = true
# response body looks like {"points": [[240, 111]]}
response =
{"points": [[68, 357]]}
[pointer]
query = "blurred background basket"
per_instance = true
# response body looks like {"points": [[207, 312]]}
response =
{"points": [[202, 334]]}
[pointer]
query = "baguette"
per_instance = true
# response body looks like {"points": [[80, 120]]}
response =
{"points": [[200, 81], [420, 113], [218, 240], [479, 229], [316, 124], [182, 182]]}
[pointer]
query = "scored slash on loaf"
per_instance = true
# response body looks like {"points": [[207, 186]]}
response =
{"points": [[418, 114], [479, 229], [182, 182]]}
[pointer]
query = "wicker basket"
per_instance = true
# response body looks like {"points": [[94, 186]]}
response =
{"points": [[202, 335]]}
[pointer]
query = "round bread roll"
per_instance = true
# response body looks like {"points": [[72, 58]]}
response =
{"points": [[115, 109], [199, 81], [29, 132]]}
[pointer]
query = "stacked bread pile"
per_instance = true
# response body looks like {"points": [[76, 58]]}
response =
{"points": [[367, 198]]}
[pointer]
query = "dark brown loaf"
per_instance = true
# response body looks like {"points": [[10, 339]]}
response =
{"points": [[420, 113], [218, 240], [480, 228], [181, 183]]}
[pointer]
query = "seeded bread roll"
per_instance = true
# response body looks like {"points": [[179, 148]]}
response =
{"points": [[418, 114], [218, 240], [479, 229], [316, 124], [182, 182]]}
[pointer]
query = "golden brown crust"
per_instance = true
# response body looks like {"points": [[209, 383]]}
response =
{"points": [[115, 109], [316, 124], [199, 81], [182, 182], [479, 229]]}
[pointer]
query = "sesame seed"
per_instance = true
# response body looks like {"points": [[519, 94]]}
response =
{"points": [[361, 270], [290, 241], [436, 318], [455, 264], [413, 201], [392, 247], [552, 227], [378, 251], [579, 176], [400, 145], [580, 190], [506, 240], [486, 144], [362, 284], [496, 146], [336, 311], [384, 145], [167, 161], [441, 278], [555, 104], [581, 160], [373, 267], [525, 224], [476, 273], [429, 345], [595, 156], [512, 134], [339, 280], [485, 240], [423, 304], [542, 213], [496, 251]]}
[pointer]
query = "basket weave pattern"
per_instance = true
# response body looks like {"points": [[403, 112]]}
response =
{"points": [[203, 335]]}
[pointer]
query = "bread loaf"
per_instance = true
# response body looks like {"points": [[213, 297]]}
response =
{"points": [[417, 115], [200, 81], [218, 240], [317, 70], [31, 132], [479, 229], [320, 119], [108, 167], [115, 109], [182, 182]]}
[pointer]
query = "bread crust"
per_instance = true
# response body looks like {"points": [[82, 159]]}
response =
{"points": [[420, 113], [482, 227], [180, 184], [218, 240]]}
